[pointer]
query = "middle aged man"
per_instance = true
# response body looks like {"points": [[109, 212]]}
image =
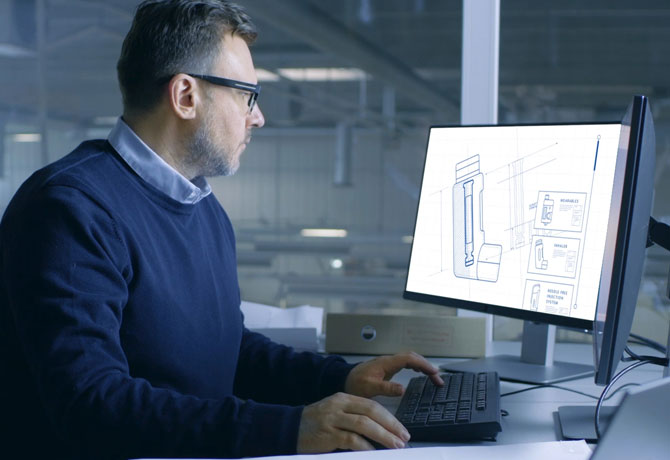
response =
{"points": [[121, 334]]}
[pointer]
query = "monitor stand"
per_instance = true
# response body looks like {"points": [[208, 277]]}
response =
{"points": [[536, 364], [578, 422]]}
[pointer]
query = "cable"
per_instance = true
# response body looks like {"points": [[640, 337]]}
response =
{"points": [[548, 385], [648, 342], [640, 342], [633, 355], [607, 388], [661, 361], [641, 360], [558, 387]]}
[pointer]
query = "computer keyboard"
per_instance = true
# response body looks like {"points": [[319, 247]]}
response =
{"points": [[467, 407]]}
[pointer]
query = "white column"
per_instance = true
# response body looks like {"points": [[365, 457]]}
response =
{"points": [[481, 46], [479, 80]]}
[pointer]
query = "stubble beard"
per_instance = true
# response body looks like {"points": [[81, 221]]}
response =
{"points": [[207, 159]]}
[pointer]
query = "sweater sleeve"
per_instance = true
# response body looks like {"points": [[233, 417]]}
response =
{"points": [[274, 373], [67, 275]]}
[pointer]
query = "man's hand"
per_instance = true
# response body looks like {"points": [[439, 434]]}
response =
{"points": [[371, 378], [344, 421]]}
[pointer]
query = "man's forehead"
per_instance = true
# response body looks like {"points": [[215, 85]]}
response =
{"points": [[235, 59]]}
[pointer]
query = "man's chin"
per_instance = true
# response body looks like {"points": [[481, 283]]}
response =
{"points": [[222, 169]]}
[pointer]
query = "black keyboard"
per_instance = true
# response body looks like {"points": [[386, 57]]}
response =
{"points": [[467, 407]]}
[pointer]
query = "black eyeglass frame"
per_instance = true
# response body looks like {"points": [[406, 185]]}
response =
{"points": [[255, 90]]}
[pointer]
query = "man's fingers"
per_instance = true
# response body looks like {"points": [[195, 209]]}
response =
{"points": [[344, 421], [436, 379], [348, 440], [385, 388], [418, 363], [365, 426], [378, 414]]}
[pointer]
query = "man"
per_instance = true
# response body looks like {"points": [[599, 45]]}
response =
{"points": [[121, 330]]}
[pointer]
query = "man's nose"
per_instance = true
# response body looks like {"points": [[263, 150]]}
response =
{"points": [[257, 120]]}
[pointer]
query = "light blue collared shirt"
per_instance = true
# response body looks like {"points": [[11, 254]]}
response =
{"points": [[153, 169]]}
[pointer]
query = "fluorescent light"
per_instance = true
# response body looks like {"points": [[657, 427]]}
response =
{"points": [[9, 50], [322, 74], [407, 239], [323, 232], [26, 137], [266, 75], [336, 263]]}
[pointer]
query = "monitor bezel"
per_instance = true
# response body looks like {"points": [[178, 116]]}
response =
{"points": [[631, 240], [563, 321]]}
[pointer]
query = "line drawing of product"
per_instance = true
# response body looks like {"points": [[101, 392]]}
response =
{"points": [[554, 256], [571, 262], [540, 262], [473, 257], [547, 210], [577, 215], [518, 237], [535, 297], [547, 296], [468, 218], [560, 210]]}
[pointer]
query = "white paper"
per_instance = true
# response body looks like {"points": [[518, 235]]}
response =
{"points": [[257, 316], [555, 450], [297, 327]]}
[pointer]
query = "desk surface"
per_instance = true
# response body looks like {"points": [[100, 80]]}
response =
{"points": [[532, 413]]}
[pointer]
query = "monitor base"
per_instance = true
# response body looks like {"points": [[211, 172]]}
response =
{"points": [[511, 368], [578, 422]]}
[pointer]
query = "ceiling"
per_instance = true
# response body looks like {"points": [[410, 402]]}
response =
{"points": [[569, 60]]}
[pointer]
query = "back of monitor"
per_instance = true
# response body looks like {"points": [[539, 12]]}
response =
{"points": [[639, 428]]}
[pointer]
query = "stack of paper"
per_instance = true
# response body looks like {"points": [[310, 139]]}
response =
{"points": [[297, 327]]}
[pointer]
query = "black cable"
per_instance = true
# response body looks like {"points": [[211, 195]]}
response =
{"points": [[658, 233], [639, 342], [661, 361], [648, 342], [548, 385], [632, 355], [558, 387], [607, 388]]}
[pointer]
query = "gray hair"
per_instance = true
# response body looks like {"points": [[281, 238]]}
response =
{"points": [[172, 36]]}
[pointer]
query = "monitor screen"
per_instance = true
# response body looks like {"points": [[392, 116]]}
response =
{"points": [[512, 220]]}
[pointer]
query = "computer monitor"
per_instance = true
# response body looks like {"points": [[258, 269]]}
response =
{"points": [[627, 239], [515, 220], [629, 234]]}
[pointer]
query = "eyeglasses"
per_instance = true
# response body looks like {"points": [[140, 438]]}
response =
{"points": [[254, 90]]}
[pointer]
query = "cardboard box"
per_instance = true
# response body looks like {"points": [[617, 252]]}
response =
{"points": [[379, 334]]}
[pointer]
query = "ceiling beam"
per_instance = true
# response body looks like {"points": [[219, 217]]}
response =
{"points": [[308, 23]]}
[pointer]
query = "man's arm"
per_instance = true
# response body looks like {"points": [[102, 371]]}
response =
{"points": [[67, 272], [345, 418], [274, 373]]}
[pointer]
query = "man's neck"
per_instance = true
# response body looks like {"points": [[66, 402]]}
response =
{"points": [[164, 137]]}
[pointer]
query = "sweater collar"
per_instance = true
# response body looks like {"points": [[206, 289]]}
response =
{"points": [[153, 169]]}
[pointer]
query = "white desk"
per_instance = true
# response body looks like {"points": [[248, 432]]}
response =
{"points": [[532, 414]]}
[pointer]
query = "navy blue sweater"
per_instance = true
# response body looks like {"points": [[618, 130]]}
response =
{"points": [[120, 329]]}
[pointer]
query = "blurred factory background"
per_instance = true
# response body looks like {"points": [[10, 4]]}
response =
{"points": [[325, 200]]}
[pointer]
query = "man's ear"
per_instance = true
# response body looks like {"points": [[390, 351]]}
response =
{"points": [[183, 96]]}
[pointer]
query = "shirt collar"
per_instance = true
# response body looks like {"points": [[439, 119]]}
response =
{"points": [[153, 169]]}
